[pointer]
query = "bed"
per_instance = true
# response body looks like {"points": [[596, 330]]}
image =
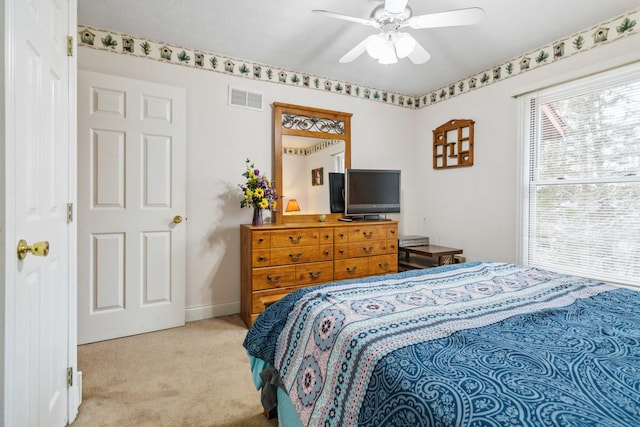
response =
{"points": [[474, 344]]}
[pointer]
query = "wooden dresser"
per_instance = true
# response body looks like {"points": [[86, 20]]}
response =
{"points": [[278, 259]]}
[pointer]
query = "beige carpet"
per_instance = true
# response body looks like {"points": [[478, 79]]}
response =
{"points": [[197, 375]]}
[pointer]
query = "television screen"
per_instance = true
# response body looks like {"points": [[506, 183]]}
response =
{"points": [[372, 191], [336, 192]]}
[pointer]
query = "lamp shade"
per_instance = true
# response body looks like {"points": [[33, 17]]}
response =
{"points": [[292, 206]]}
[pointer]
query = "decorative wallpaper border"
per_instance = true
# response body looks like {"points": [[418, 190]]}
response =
{"points": [[163, 52], [603, 33], [598, 35], [311, 150]]}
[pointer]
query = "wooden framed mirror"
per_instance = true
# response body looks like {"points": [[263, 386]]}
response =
{"points": [[309, 143]]}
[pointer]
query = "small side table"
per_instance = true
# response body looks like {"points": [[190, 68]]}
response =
{"points": [[425, 256]]}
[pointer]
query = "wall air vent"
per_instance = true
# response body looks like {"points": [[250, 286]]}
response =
{"points": [[245, 99]]}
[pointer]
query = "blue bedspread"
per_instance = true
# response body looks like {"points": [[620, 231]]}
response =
{"points": [[479, 345]]}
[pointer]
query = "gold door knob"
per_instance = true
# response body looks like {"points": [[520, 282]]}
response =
{"points": [[38, 249], [177, 219]]}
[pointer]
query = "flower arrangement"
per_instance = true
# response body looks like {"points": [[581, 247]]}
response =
{"points": [[258, 191]]}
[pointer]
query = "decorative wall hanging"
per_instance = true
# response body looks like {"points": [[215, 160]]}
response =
{"points": [[317, 176], [453, 144]]}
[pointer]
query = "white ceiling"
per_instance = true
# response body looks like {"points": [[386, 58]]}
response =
{"points": [[285, 34]]}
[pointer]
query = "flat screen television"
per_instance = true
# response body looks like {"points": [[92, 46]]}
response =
{"points": [[371, 192], [336, 192]]}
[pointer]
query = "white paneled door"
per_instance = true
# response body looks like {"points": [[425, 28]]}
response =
{"points": [[38, 283], [131, 206]]}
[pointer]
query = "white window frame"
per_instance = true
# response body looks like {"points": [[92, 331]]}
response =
{"points": [[528, 129]]}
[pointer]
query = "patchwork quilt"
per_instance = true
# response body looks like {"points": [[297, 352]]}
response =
{"points": [[478, 344]]}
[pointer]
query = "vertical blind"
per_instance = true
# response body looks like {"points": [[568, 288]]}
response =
{"points": [[581, 201]]}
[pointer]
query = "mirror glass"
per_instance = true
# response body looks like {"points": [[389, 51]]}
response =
{"points": [[306, 164]]}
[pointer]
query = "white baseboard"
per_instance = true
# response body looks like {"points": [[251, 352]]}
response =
{"points": [[208, 311]]}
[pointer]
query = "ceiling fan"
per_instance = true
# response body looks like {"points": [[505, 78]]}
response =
{"points": [[391, 43]]}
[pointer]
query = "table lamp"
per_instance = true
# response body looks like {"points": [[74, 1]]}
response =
{"points": [[292, 206]]}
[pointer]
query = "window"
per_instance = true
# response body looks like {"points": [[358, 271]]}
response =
{"points": [[339, 162], [581, 177]]}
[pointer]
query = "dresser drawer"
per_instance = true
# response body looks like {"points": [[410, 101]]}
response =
{"points": [[392, 247], [260, 240], [315, 272], [341, 251], [262, 299], [350, 268], [392, 232], [326, 253], [325, 236], [260, 258], [367, 248], [383, 264], [340, 235], [295, 237], [367, 233], [273, 277], [297, 255]]}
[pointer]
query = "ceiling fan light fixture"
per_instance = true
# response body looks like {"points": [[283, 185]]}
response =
{"points": [[404, 43], [392, 15], [377, 46], [388, 54], [382, 48]]}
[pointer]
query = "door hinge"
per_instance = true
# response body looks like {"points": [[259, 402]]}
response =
{"points": [[69, 46], [70, 377], [69, 212]]}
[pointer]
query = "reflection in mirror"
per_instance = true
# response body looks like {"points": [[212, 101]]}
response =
{"points": [[306, 164]]}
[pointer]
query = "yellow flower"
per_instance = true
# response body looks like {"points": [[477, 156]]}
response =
{"points": [[248, 194], [259, 192], [264, 203]]}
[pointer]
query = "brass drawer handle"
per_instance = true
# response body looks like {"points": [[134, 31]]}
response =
{"points": [[295, 257], [341, 235], [261, 258], [327, 236], [368, 250], [384, 266], [295, 239], [274, 280], [315, 275], [326, 251], [261, 239], [341, 251], [368, 235], [352, 270], [393, 231]]}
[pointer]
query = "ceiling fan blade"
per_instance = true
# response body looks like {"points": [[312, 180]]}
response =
{"points": [[395, 7], [419, 55], [345, 17], [356, 51], [452, 18]]}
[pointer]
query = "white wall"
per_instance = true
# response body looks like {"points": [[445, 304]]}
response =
{"points": [[472, 208], [219, 140], [476, 208]]}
